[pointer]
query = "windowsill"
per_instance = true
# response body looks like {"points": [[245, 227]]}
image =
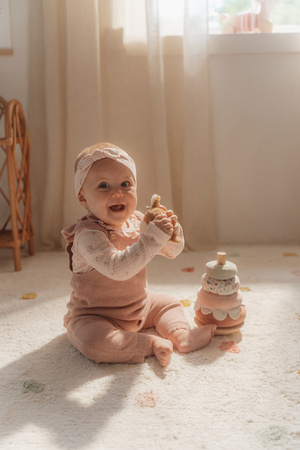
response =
{"points": [[219, 44], [234, 44]]}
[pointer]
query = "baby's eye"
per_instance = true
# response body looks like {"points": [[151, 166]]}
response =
{"points": [[126, 184], [103, 185]]}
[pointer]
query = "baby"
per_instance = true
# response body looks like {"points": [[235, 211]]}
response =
{"points": [[110, 303]]}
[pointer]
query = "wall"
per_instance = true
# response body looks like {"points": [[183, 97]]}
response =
{"points": [[14, 69], [14, 76], [256, 135], [256, 132]]}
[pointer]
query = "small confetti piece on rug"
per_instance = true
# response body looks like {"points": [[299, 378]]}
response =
{"points": [[245, 289], [29, 296], [296, 272], [298, 372], [272, 433], [188, 269], [290, 254], [229, 346], [185, 302], [147, 399], [32, 386]]}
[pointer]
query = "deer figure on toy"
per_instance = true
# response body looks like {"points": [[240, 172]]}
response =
{"points": [[250, 22]]}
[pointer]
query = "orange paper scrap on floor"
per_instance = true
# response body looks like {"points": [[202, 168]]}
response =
{"points": [[188, 269]]}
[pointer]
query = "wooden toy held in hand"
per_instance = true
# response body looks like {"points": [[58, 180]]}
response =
{"points": [[219, 298], [250, 22], [153, 211]]}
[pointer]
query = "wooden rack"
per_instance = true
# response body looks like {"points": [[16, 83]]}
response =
{"points": [[16, 228]]}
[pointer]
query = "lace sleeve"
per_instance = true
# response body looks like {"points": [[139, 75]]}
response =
{"points": [[95, 249]]}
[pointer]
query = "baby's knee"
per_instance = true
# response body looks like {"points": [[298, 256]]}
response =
{"points": [[102, 342]]}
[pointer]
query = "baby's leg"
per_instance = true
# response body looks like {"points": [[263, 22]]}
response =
{"points": [[168, 317], [162, 349], [166, 314], [100, 340], [186, 341]]}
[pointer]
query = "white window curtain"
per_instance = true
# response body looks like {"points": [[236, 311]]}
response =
{"points": [[112, 70]]}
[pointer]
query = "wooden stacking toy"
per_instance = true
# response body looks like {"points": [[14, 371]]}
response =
{"points": [[219, 299]]}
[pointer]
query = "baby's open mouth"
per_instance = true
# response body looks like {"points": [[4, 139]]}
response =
{"points": [[117, 207]]}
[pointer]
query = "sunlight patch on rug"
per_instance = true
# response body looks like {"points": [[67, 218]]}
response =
{"points": [[90, 392]]}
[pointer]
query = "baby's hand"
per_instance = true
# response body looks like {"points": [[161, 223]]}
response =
{"points": [[174, 220], [164, 222]]}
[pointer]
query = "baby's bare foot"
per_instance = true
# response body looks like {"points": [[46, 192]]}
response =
{"points": [[186, 341], [163, 349]]}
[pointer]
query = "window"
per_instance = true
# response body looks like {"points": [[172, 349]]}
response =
{"points": [[130, 30], [284, 14]]}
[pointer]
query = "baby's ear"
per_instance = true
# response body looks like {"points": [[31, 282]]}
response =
{"points": [[82, 200]]}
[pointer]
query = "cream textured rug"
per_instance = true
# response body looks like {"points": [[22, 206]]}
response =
{"points": [[240, 392]]}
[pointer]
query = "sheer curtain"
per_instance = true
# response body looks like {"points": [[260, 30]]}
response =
{"points": [[111, 70]]}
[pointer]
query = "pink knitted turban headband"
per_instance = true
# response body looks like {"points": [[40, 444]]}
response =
{"points": [[88, 160]]}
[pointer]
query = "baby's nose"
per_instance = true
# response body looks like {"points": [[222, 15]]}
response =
{"points": [[117, 193]]}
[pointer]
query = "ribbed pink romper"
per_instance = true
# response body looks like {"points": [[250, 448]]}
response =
{"points": [[105, 316]]}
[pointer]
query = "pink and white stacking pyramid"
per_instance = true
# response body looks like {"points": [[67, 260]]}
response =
{"points": [[219, 298]]}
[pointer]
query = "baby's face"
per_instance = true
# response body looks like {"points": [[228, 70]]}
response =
{"points": [[109, 192]]}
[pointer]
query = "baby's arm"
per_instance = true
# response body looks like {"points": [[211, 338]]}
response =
{"points": [[97, 251], [172, 249]]}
